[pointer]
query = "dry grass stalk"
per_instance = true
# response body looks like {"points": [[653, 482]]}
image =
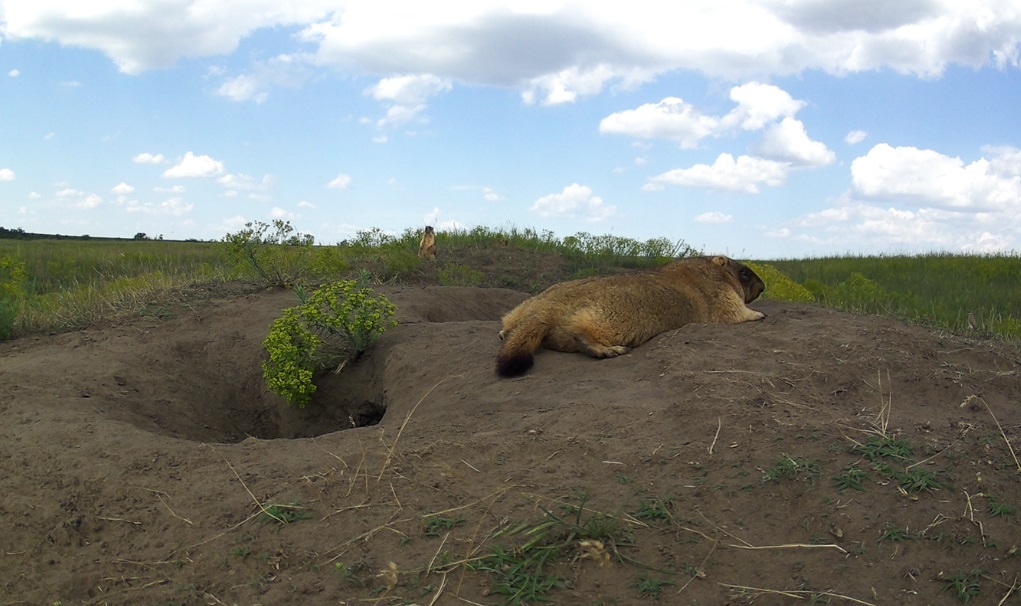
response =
{"points": [[881, 423], [257, 503], [719, 425], [368, 534], [798, 594], [159, 494], [390, 451], [998, 426]]}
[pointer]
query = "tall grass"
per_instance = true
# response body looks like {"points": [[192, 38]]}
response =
{"points": [[73, 283], [939, 289], [55, 266]]}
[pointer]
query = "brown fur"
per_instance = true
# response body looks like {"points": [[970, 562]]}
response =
{"points": [[606, 316], [427, 247]]}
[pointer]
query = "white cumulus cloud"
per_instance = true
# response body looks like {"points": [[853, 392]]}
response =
{"points": [[286, 70], [787, 141], [341, 181], [906, 199], [192, 165], [246, 182], [147, 158], [714, 217], [744, 174], [575, 201], [89, 202], [6, 174], [172, 207], [554, 52], [757, 106], [122, 189], [760, 104], [925, 177], [855, 136], [406, 96], [670, 118]]}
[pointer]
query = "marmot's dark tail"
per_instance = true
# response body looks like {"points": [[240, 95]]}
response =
{"points": [[518, 351]]}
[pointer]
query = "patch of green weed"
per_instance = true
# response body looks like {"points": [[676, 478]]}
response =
{"points": [[788, 467], [654, 510], [435, 526], [997, 508], [888, 447], [964, 586], [649, 587], [895, 534], [282, 514], [851, 477]]}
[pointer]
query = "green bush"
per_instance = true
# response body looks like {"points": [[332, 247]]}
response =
{"points": [[779, 285], [279, 255], [333, 325], [398, 263], [12, 292], [860, 294]]}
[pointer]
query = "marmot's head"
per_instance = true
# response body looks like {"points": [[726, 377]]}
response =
{"points": [[751, 283], [428, 229]]}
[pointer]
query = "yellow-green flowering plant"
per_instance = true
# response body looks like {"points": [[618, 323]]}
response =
{"points": [[330, 327]]}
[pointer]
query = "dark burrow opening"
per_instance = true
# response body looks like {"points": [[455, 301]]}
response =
{"points": [[234, 404]]}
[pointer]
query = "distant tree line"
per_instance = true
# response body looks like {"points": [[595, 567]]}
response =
{"points": [[20, 234]]}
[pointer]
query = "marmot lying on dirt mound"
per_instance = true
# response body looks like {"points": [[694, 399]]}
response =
{"points": [[427, 246], [606, 316]]}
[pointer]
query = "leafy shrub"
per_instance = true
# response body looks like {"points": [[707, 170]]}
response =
{"points": [[1008, 327], [333, 325], [817, 289], [860, 294], [279, 255], [779, 286], [398, 263], [12, 291]]}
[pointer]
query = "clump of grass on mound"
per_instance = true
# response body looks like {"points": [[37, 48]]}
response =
{"points": [[524, 572]]}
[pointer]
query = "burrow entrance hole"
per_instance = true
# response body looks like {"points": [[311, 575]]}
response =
{"points": [[231, 406]]}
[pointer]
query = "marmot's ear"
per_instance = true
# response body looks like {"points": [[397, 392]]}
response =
{"points": [[721, 260]]}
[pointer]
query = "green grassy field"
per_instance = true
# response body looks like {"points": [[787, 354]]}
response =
{"points": [[936, 289], [49, 285]]}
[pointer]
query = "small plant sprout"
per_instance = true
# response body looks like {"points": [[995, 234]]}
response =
{"points": [[964, 586], [788, 467], [281, 514], [998, 509], [435, 526], [851, 477], [649, 587]]}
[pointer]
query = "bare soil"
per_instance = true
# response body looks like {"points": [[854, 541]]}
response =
{"points": [[136, 460]]}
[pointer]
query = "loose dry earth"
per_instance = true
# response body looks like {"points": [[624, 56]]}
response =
{"points": [[135, 460]]}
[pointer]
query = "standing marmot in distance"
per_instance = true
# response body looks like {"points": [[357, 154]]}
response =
{"points": [[606, 316], [427, 246]]}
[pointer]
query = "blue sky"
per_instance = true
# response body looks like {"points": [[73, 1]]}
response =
{"points": [[759, 129]]}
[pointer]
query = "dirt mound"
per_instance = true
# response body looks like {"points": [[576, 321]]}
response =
{"points": [[715, 464]]}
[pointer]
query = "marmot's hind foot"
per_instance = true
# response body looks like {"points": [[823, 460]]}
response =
{"points": [[597, 350]]}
